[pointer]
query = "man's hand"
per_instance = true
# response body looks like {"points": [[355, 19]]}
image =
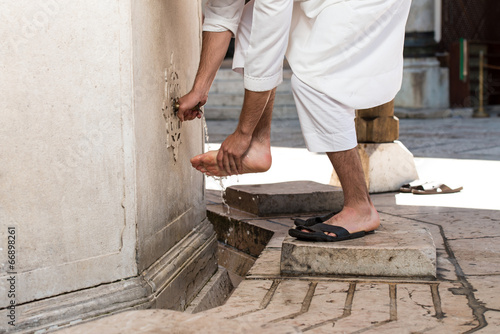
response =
{"points": [[232, 151], [189, 106], [214, 48]]}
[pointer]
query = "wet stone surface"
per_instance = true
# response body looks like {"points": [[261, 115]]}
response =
{"points": [[462, 298]]}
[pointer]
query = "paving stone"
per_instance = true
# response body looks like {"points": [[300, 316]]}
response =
{"points": [[486, 290], [493, 320], [466, 223], [267, 265], [286, 301], [477, 256], [277, 240], [370, 306], [414, 307], [386, 166], [247, 297], [327, 304], [166, 321], [287, 197], [392, 250], [458, 315]]}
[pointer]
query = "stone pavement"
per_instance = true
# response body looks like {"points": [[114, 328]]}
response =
{"points": [[462, 299], [465, 228]]}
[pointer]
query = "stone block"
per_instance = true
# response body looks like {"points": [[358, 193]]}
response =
{"points": [[393, 250], [386, 166], [384, 110], [384, 129], [286, 197]]}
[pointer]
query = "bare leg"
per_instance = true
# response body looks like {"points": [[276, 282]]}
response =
{"points": [[358, 213], [258, 156]]}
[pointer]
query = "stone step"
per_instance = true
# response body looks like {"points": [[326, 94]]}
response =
{"points": [[395, 250], [285, 198]]}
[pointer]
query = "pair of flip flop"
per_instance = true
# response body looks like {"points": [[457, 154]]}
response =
{"points": [[316, 230], [427, 188]]}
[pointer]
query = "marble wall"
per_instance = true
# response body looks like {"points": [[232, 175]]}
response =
{"points": [[95, 174]]}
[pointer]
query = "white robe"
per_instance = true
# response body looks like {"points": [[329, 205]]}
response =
{"points": [[350, 50]]}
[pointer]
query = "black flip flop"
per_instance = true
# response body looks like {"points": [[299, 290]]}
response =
{"points": [[314, 220], [317, 233]]}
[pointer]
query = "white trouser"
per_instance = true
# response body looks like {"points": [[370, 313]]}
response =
{"points": [[327, 125]]}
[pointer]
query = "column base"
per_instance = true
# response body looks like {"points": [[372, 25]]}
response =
{"points": [[387, 166]]}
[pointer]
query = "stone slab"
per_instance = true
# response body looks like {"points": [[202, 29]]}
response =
{"points": [[486, 290], [387, 166], [477, 256], [285, 198], [393, 250]]}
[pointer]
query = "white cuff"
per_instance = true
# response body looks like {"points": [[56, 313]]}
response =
{"points": [[218, 25], [260, 84]]}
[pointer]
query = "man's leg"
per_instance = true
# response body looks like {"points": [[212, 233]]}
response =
{"points": [[358, 213], [328, 125], [258, 156]]}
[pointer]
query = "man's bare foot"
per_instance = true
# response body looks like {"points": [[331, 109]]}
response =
{"points": [[362, 218], [256, 160]]}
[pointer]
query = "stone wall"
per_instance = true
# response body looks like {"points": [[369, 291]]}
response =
{"points": [[95, 174]]}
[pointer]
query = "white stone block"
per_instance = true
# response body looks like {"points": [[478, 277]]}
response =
{"points": [[393, 250], [387, 166]]}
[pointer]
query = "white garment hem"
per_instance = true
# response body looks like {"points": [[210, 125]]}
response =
{"points": [[259, 84], [330, 142]]}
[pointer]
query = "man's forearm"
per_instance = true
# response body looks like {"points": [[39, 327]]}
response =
{"points": [[214, 48]]}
